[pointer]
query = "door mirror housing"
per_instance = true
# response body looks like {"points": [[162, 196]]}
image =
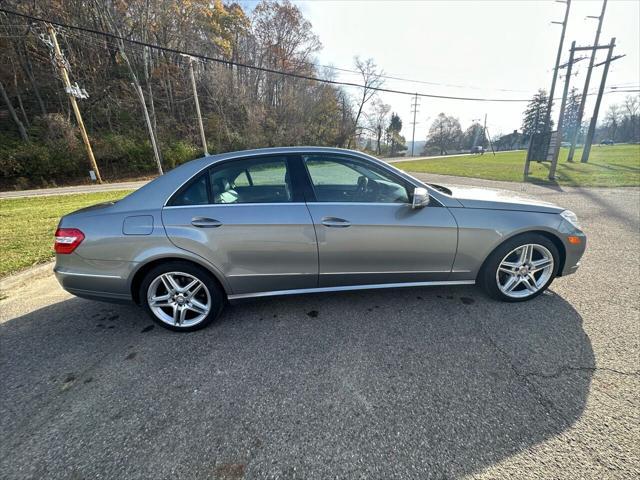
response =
{"points": [[420, 198]]}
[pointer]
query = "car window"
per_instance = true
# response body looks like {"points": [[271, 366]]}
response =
{"points": [[346, 179], [263, 180], [194, 194]]}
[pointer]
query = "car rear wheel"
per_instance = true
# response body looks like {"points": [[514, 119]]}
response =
{"points": [[521, 268], [181, 296]]}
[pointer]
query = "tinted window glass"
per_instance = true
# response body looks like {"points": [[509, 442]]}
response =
{"points": [[343, 179], [194, 194], [264, 180]]}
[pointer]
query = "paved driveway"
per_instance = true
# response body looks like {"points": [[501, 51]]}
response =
{"points": [[410, 383]]}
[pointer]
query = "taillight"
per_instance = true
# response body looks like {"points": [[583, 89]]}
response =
{"points": [[67, 240]]}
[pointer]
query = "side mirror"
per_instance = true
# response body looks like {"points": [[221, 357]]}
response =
{"points": [[420, 198]]}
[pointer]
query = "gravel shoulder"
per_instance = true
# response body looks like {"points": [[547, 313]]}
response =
{"points": [[409, 383]]}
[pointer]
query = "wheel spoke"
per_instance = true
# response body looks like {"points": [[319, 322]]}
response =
{"points": [[530, 282], [170, 282], [507, 270], [511, 283], [198, 307], [190, 285], [183, 313], [541, 264], [160, 304], [526, 252], [513, 265], [193, 292], [176, 314]]}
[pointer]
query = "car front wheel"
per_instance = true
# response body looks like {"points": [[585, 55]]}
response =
{"points": [[181, 296], [521, 268]]}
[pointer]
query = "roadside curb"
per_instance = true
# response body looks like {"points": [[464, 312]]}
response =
{"points": [[31, 273]]}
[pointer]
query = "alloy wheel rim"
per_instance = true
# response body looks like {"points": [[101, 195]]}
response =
{"points": [[524, 270], [179, 299]]}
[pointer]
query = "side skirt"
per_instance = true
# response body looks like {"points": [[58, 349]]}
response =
{"points": [[301, 291]]}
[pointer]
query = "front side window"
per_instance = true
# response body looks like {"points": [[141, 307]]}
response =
{"points": [[345, 179]]}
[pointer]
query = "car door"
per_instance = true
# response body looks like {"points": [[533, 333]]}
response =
{"points": [[248, 219], [367, 231]]}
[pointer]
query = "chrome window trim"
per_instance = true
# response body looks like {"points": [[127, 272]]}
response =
{"points": [[301, 291], [390, 168], [209, 205]]}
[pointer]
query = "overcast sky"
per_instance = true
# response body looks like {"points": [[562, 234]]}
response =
{"points": [[497, 49]]}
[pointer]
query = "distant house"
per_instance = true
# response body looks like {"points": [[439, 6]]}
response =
{"points": [[511, 141]]}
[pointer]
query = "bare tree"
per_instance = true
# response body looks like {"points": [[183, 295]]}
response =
{"points": [[445, 133], [12, 113], [377, 121], [371, 80]]}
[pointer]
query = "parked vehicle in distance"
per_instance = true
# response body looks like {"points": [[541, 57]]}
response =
{"points": [[478, 149], [607, 141], [294, 220]]}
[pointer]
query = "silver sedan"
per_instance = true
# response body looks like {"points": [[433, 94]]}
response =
{"points": [[305, 219]]}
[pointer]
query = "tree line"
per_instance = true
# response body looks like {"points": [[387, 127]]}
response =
{"points": [[241, 107], [620, 124]]}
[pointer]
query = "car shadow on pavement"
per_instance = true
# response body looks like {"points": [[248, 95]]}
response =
{"points": [[408, 383]]}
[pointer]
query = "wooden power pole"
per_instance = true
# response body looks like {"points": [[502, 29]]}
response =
{"points": [[414, 110], [547, 117], [74, 104], [585, 90], [554, 160], [195, 97], [594, 119]]}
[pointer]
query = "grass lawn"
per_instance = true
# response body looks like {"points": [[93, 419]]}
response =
{"points": [[28, 225], [609, 166]]}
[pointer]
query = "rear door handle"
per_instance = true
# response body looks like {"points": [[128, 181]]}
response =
{"points": [[335, 222], [204, 222]]}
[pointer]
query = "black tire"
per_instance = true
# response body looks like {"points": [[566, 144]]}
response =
{"points": [[487, 276], [213, 289]]}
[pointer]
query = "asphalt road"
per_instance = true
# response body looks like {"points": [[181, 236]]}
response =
{"points": [[412, 383]]}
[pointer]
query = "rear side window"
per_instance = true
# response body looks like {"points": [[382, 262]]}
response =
{"points": [[251, 180], [261, 180], [194, 194]]}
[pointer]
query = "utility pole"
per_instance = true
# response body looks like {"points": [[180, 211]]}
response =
{"points": [[485, 132], [154, 145], [547, 119], [414, 110], [585, 90], [527, 161], [554, 160], [592, 126], [195, 97], [74, 104]]}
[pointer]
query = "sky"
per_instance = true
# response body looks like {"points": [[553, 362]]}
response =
{"points": [[494, 49]]}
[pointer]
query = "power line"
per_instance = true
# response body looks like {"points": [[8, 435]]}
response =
{"points": [[262, 69]]}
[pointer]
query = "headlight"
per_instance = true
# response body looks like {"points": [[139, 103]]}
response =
{"points": [[570, 217]]}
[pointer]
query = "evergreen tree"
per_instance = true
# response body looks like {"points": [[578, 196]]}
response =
{"points": [[536, 108], [570, 122]]}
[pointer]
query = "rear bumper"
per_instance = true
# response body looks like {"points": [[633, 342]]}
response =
{"points": [[94, 279]]}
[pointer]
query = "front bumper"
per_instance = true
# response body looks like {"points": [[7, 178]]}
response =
{"points": [[573, 252]]}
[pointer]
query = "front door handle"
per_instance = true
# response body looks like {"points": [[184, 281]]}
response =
{"points": [[204, 222], [335, 222]]}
